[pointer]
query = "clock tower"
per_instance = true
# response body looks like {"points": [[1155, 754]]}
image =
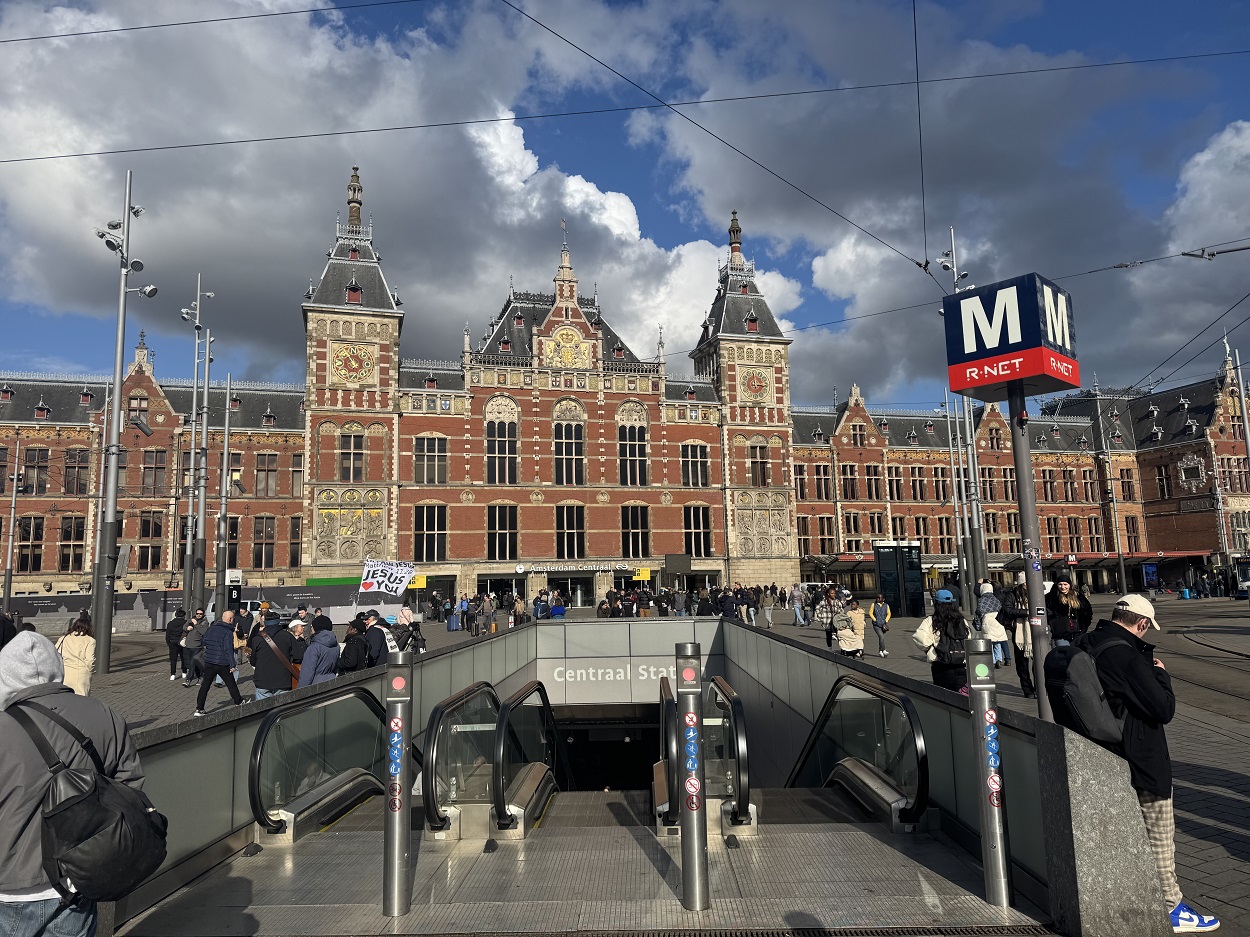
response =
{"points": [[351, 325], [742, 351]]}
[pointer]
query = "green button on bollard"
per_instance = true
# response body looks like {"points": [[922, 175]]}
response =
{"points": [[982, 670]]}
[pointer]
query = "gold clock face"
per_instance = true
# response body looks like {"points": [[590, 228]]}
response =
{"points": [[754, 383], [567, 349], [353, 363]]}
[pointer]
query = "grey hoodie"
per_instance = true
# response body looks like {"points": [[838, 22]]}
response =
{"points": [[31, 669]]}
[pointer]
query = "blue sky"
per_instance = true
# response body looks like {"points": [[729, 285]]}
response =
{"points": [[1059, 172]]}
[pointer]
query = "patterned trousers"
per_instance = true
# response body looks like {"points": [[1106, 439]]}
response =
{"points": [[1161, 832]]}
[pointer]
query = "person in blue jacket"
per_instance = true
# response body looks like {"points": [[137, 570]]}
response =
{"points": [[219, 660], [321, 660]]}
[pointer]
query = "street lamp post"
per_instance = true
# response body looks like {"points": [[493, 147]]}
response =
{"points": [[197, 582], [961, 524], [222, 517], [1110, 489], [105, 573], [192, 315]]}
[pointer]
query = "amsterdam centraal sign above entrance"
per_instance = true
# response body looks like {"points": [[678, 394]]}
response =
{"points": [[523, 568]]}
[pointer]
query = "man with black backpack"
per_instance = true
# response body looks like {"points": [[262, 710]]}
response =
{"points": [[1140, 698], [44, 721]]}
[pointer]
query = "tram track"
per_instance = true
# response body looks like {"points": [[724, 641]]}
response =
{"points": [[1207, 661]]}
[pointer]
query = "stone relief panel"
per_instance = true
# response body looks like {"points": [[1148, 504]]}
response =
{"points": [[569, 411], [631, 413], [762, 531], [350, 524], [501, 408]]}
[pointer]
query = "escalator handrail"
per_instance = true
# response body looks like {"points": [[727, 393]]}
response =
{"points": [[276, 715], [503, 816], [915, 810], [738, 737], [434, 818], [670, 747]]}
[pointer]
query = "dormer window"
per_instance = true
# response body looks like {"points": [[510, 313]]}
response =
{"points": [[505, 345], [268, 418], [353, 253], [41, 410], [1114, 414], [753, 322], [1117, 437], [913, 438], [301, 405], [1191, 427], [598, 324], [618, 351], [1054, 430], [353, 293], [743, 290], [1184, 402], [6, 393], [1042, 440], [928, 427], [1156, 431], [1083, 443], [519, 321], [884, 426], [818, 436], [431, 382], [235, 402], [86, 397], [1153, 410], [690, 393]]}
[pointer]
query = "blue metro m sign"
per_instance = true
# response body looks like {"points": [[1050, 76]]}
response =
{"points": [[1014, 330]]}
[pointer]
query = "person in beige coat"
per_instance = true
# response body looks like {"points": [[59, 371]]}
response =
{"points": [[851, 639], [77, 649]]}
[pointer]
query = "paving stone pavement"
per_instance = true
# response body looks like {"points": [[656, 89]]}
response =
{"points": [[1210, 755], [138, 684]]}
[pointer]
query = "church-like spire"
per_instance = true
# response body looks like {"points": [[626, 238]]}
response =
{"points": [[355, 193], [565, 279], [735, 234]]}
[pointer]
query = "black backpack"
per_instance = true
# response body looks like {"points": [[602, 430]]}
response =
{"points": [[103, 836], [950, 651], [1076, 694]]}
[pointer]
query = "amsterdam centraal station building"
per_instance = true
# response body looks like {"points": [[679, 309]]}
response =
{"points": [[549, 453]]}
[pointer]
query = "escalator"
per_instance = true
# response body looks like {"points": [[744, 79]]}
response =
{"points": [[314, 760]]}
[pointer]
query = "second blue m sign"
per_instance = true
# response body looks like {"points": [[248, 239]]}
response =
{"points": [[1014, 330]]}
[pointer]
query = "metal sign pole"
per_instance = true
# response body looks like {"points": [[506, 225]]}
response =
{"points": [[397, 830], [694, 878], [1030, 542], [995, 855]]}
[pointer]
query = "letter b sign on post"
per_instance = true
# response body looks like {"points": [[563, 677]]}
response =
{"points": [[1014, 330]]}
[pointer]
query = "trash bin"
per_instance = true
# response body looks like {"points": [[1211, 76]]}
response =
{"points": [[1184, 593]]}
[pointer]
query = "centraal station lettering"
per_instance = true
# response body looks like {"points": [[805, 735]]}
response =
{"points": [[590, 674]]}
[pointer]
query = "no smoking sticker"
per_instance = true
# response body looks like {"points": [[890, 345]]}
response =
{"points": [[991, 716], [692, 785], [994, 782], [692, 719], [996, 799], [397, 724]]}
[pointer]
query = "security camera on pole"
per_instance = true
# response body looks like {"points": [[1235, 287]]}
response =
{"points": [[1013, 339], [104, 573]]}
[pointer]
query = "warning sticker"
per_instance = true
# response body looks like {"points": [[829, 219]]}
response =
{"points": [[996, 799], [693, 802], [991, 716], [395, 789], [692, 719], [395, 804], [692, 785], [397, 724], [994, 782]]}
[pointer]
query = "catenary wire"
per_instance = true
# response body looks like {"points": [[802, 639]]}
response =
{"points": [[1192, 339], [924, 218], [686, 117], [209, 20]]}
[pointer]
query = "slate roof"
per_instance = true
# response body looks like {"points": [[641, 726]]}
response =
{"points": [[533, 308], [61, 396], [807, 422], [675, 389], [341, 271], [929, 429], [412, 375], [285, 405]]}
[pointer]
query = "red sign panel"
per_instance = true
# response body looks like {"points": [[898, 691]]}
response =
{"points": [[1014, 365]]}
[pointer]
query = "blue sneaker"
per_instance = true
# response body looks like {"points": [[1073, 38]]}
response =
{"points": [[1185, 920]]}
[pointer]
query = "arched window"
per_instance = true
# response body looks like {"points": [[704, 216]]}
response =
{"points": [[632, 453], [570, 454]]}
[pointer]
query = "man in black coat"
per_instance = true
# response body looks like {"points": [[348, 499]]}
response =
{"points": [[375, 637], [271, 676], [175, 628], [1139, 692]]}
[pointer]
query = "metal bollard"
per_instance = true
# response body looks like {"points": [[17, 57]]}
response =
{"points": [[694, 881], [397, 829], [995, 855]]}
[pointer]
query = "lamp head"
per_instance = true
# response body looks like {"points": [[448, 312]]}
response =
{"points": [[208, 295], [136, 266], [148, 291], [186, 315], [136, 210], [112, 242], [115, 225]]}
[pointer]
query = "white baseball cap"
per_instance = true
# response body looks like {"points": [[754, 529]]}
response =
{"points": [[1138, 605]]}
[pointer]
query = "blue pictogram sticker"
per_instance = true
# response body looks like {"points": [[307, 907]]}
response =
{"points": [[994, 761], [991, 746], [692, 733], [991, 732], [396, 753], [396, 768], [692, 764], [692, 748], [397, 739]]}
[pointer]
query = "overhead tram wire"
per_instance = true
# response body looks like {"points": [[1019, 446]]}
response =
{"points": [[1192, 339], [924, 217], [686, 117], [210, 20]]}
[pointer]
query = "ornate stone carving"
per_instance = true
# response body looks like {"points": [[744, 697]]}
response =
{"points": [[536, 497], [631, 413], [666, 498], [466, 497], [603, 497], [569, 410], [501, 408]]}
